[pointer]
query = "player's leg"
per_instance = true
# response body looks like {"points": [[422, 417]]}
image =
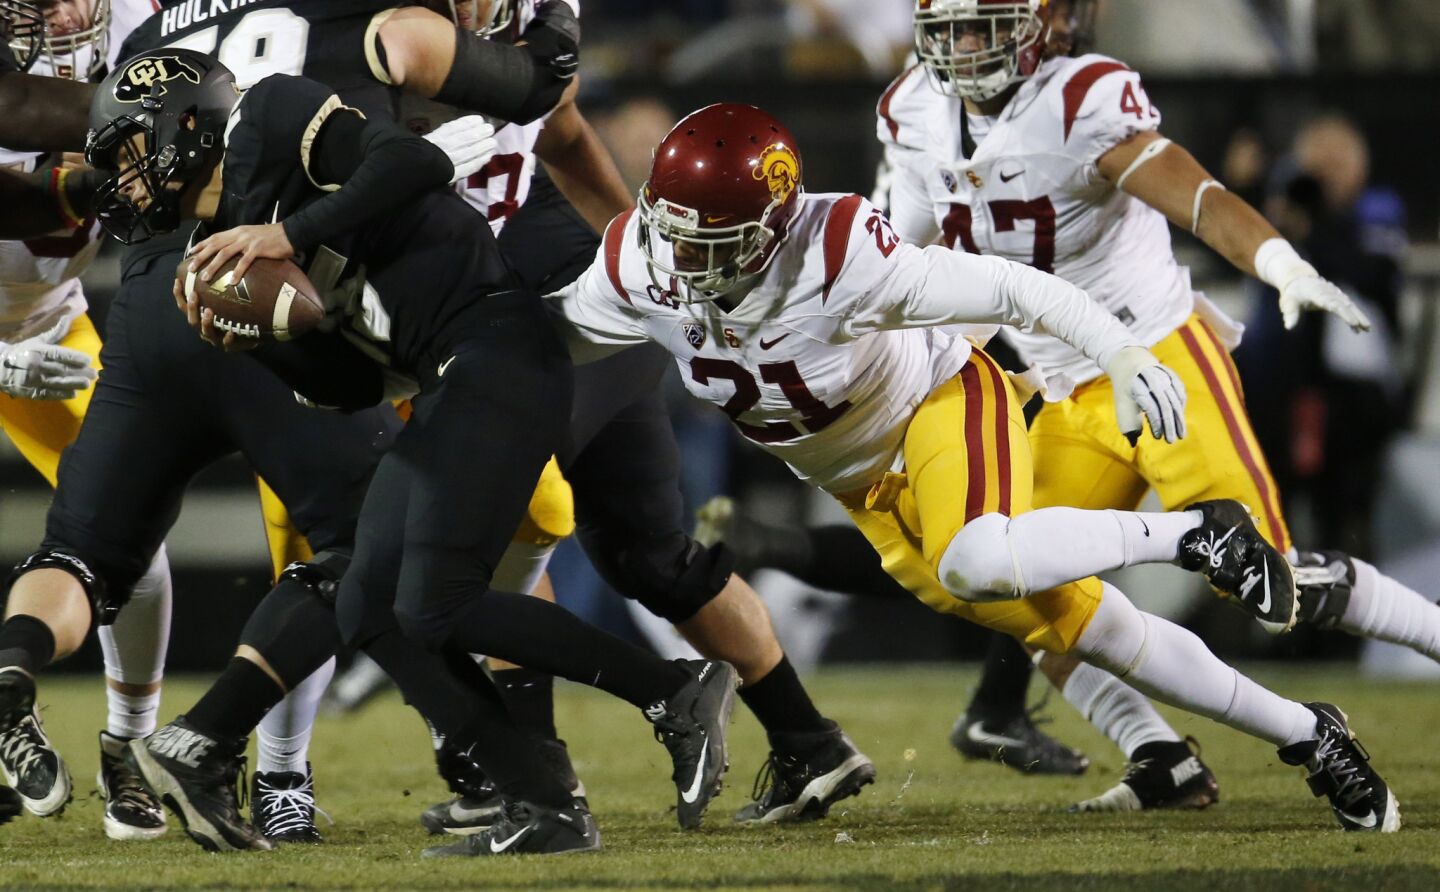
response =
{"points": [[482, 433], [626, 482], [1337, 591], [966, 417]]}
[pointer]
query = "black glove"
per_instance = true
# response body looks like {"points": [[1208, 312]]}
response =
{"points": [[553, 38]]}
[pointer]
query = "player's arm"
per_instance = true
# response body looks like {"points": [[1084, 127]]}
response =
{"points": [[427, 54], [44, 202], [594, 316], [917, 287], [580, 165], [43, 114], [911, 212], [368, 167], [1168, 178]]}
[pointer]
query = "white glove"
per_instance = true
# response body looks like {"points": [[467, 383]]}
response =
{"points": [[1145, 387], [469, 142], [1300, 286], [39, 368]]}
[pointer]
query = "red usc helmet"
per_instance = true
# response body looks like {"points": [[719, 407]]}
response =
{"points": [[722, 189], [978, 49]]}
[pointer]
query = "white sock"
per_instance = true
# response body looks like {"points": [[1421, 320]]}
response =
{"points": [[998, 557], [1120, 712], [1382, 608], [135, 647], [282, 742], [1170, 664], [131, 717], [521, 567]]}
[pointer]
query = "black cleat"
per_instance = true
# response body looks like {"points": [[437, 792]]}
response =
{"points": [[197, 777], [523, 828], [801, 786], [131, 810], [282, 806], [1018, 743], [1325, 580], [462, 815], [1339, 768], [477, 803], [1230, 552], [30, 764], [1165, 774], [10, 804], [691, 723]]}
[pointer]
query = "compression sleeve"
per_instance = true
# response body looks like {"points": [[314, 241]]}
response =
{"points": [[369, 168]]}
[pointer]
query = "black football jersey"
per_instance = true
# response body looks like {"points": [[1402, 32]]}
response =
{"points": [[329, 41]]}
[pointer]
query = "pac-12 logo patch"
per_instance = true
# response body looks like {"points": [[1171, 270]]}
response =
{"points": [[140, 76], [694, 333]]}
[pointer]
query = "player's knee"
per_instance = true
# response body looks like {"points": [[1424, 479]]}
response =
{"points": [[93, 584], [295, 628], [675, 576], [551, 514], [979, 565]]}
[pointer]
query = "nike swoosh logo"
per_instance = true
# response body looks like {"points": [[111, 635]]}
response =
{"points": [[766, 345], [498, 847], [460, 813], [1249, 584], [693, 793], [445, 365], [1366, 822], [1006, 179], [979, 735]]}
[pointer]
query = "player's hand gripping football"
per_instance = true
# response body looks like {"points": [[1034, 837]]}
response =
{"points": [[1314, 293], [39, 368], [1146, 389], [246, 242]]}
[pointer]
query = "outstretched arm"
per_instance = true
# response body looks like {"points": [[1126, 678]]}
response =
{"points": [[1168, 178], [580, 165], [43, 114]]}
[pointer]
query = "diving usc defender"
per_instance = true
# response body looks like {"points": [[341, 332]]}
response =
{"points": [[809, 322]]}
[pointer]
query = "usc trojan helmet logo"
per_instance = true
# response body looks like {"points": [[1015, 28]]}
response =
{"points": [[137, 81], [780, 170]]}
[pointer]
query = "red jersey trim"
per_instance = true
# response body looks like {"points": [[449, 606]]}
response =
{"points": [[884, 107], [1079, 86], [838, 224], [614, 233]]}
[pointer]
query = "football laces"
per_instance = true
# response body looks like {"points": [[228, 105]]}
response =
{"points": [[240, 329]]}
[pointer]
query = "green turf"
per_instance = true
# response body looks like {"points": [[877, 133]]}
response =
{"points": [[931, 821]]}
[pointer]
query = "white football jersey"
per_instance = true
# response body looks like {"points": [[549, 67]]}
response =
{"points": [[831, 349], [1032, 193], [498, 189]]}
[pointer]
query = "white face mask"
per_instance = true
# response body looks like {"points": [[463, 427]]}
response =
{"points": [[973, 54]]}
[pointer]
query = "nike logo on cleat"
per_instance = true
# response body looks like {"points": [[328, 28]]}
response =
{"points": [[693, 793], [656, 711], [978, 734], [1249, 585], [1364, 823], [1185, 771], [496, 847]]}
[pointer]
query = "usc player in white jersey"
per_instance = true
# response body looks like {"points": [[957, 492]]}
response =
{"points": [[816, 329], [1000, 143]]}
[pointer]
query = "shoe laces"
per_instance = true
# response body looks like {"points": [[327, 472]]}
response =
{"points": [[771, 775], [125, 788], [1334, 758], [287, 808], [23, 746], [1137, 768]]}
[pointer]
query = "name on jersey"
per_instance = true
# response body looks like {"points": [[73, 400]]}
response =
{"points": [[182, 16]]}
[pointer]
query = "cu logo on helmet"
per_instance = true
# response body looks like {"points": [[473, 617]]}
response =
{"points": [[142, 75], [780, 170]]}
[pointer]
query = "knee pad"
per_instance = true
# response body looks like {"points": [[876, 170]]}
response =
{"points": [[294, 628], [103, 606], [674, 577], [551, 515], [321, 574], [979, 565]]}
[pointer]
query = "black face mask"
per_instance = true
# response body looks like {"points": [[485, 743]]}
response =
{"points": [[113, 148]]}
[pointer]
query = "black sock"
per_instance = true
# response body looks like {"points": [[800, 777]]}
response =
{"points": [[471, 715], [236, 702], [1000, 696], [783, 706], [834, 558], [545, 637], [530, 697], [27, 642]]}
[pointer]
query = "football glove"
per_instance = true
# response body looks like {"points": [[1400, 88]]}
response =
{"points": [[1145, 388], [553, 38], [1278, 265], [39, 368], [468, 142]]}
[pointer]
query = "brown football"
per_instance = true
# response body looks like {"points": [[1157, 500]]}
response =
{"points": [[275, 301]]}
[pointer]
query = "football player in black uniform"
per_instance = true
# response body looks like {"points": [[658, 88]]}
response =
{"points": [[441, 309]]}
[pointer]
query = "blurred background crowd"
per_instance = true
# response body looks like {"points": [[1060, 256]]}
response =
{"points": [[1323, 113]]}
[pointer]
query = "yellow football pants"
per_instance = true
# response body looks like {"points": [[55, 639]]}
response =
{"points": [[41, 429], [966, 454], [1082, 460]]}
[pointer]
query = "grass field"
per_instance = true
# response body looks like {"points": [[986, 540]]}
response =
{"points": [[931, 820]]}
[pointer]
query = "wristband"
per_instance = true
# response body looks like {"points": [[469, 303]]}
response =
{"points": [[58, 176]]}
